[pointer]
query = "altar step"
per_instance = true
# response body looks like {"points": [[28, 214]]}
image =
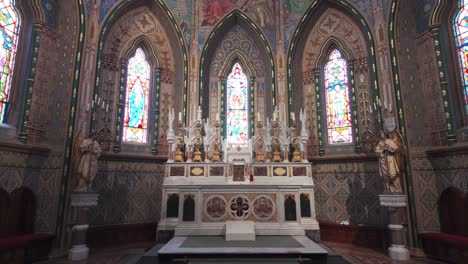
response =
{"points": [[266, 249]]}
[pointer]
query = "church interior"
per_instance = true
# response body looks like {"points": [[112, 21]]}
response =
{"points": [[216, 131]]}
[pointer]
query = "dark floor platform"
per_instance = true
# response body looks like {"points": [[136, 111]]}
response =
{"points": [[215, 249]]}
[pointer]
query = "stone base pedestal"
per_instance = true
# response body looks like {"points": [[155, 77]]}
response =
{"points": [[240, 231], [395, 203], [398, 252], [79, 252], [81, 201]]}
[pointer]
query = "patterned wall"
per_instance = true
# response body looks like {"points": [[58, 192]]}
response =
{"points": [[39, 172], [348, 191], [129, 192]]}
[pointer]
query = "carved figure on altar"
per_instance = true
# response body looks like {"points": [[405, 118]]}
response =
{"points": [[389, 152], [88, 151], [216, 157], [197, 157], [259, 149], [179, 154]]}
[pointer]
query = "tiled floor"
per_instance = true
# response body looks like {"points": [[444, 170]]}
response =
{"points": [[352, 253], [361, 255]]}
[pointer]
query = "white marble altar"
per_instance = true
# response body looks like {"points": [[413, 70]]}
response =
{"points": [[199, 198]]}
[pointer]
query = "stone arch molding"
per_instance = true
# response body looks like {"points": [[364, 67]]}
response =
{"points": [[139, 27], [136, 27], [334, 28], [337, 28]]}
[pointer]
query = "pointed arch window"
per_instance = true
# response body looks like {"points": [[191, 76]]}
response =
{"points": [[237, 108], [10, 23], [460, 24], [135, 126], [338, 106]]}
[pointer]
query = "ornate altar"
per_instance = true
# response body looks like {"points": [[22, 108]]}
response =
{"points": [[207, 182]]}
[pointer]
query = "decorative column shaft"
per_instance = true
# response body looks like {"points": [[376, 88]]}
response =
{"points": [[120, 107], [318, 94], [251, 106], [223, 98], [451, 139], [34, 53], [156, 112], [357, 139]]}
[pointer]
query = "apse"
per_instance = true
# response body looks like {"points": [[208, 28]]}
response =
{"points": [[236, 45]]}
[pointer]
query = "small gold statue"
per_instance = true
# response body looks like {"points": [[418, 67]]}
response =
{"points": [[197, 157], [179, 155], [259, 153], [276, 150], [216, 157], [296, 154]]}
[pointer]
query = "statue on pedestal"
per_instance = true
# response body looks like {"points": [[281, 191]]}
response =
{"points": [[389, 152], [197, 157], [216, 157], [276, 147], [88, 151], [179, 154]]}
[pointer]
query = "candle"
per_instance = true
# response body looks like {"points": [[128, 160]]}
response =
{"points": [[99, 100], [274, 116], [180, 116], [92, 104], [87, 108], [107, 108], [103, 104], [258, 116]]}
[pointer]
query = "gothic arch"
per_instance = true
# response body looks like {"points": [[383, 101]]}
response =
{"points": [[130, 26], [441, 26], [144, 43], [237, 19], [334, 25], [172, 30], [233, 58], [28, 12], [304, 28]]}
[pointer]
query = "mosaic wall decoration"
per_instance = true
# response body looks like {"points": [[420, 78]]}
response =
{"points": [[41, 174], [220, 207], [348, 191], [215, 207], [263, 207], [129, 192]]}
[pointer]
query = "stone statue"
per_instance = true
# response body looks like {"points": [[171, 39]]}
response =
{"points": [[88, 151], [389, 153]]}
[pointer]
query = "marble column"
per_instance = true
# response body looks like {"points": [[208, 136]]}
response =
{"points": [[82, 201], [395, 204]]}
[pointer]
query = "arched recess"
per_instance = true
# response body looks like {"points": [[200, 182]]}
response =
{"points": [[338, 24], [452, 84], [28, 13], [146, 23], [252, 48]]}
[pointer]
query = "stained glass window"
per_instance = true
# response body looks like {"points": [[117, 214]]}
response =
{"points": [[237, 112], [461, 33], [135, 128], [9, 30], [337, 99]]}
